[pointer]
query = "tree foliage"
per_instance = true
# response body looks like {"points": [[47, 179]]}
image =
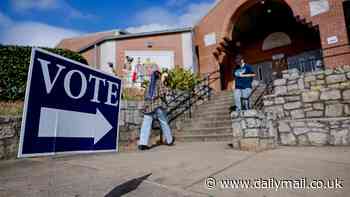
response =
{"points": [[14, 64]]}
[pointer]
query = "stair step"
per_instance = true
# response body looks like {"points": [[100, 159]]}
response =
{"points": [[220, 101], [205, 138], [207, 124], [209, 114], [210, 107], [206, 131], [210, 119], [212, 110]]}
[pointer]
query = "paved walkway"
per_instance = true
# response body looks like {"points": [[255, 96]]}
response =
{"points": [[176, 171]]}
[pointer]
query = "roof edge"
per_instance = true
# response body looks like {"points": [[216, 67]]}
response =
{"points": [[135, 35]]}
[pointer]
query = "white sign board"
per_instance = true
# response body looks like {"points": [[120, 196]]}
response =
{"points": [[332, 40]]}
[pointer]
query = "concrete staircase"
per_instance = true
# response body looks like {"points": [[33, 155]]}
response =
{"points": [[210, 121]]}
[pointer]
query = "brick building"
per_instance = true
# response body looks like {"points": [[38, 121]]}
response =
{"points": [[272, 35]]}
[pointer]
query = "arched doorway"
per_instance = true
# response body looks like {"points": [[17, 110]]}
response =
{"points": [[271, 38]]}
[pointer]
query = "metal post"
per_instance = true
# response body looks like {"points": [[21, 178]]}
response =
{"points": [[189, 103], [207, 86]]}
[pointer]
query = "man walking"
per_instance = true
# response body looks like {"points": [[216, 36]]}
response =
{"points": [[244, 75], [154, 109]]}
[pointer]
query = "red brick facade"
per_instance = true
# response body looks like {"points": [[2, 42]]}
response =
{"points": [[222, 20], [170, 42]]}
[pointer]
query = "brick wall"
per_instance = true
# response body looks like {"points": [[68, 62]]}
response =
{"points": [[169, 42]]}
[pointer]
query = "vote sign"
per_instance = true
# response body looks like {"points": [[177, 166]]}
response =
{"points": [[69, 107]]}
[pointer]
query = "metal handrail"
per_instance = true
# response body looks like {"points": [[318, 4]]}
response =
{"points": [[192, 96], [258, 104]]}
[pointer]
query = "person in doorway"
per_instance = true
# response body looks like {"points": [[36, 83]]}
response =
{"points": [[244, 75], [155, 101]]}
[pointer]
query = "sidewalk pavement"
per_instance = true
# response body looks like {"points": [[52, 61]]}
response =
{"points": [[177, 171]]}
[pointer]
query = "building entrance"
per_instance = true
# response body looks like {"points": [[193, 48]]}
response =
{"points": [[272, 39]]}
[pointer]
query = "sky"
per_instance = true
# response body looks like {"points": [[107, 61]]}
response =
{"points": [[46, 22]]}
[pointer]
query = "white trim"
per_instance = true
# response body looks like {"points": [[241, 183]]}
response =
{"points": [[66, 153], [25, 108], [187, 51]]}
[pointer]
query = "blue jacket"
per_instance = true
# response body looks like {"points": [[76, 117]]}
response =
{"points": [[243, 82]]}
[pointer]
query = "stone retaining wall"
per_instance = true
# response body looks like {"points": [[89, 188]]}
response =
{"points": [[9, 136], [251, 131], [311, 109]]}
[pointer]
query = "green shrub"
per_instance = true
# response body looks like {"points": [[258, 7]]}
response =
{"points": [[14, 63], [182, 79]]}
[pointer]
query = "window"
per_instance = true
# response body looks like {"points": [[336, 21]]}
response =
{"points": [[318, 7], [346, 7]]}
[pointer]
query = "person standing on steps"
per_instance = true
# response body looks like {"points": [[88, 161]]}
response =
{"points": [[155, 101], [243, 75]]}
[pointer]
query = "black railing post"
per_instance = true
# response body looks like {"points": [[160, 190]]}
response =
{"points": [[207, 81], [189, 104]]}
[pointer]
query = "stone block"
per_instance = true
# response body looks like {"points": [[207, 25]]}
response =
{"points": [[301, 84], [301, 131], [303, 140], [347, 110], [288, 139], [294, 76], [346, 94], [307, 105], [248, 133], [283, 127], [253, 122], [318, 106], [308, 109], [346, 68], [280, 90], [307, 85], [330, 95], [234, 114], [320, 76], [292, 87], [268, 102], [348, 75], [340, 137], [334, 110], [293, 105], [311, 96], [250, 113], [279, 82], [297, 114], [314, 114], [285, 76], [243, 124], [335, 78], [310, 78], [345, 85], [318, 139], [320, 82], [295, 124], [292, 98], [279, 100], [316, 125], [249, 144], [328, 71], [292, 82], [274, 112]]}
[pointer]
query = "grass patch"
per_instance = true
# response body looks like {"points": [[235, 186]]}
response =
{"points": [[13, 108]]}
